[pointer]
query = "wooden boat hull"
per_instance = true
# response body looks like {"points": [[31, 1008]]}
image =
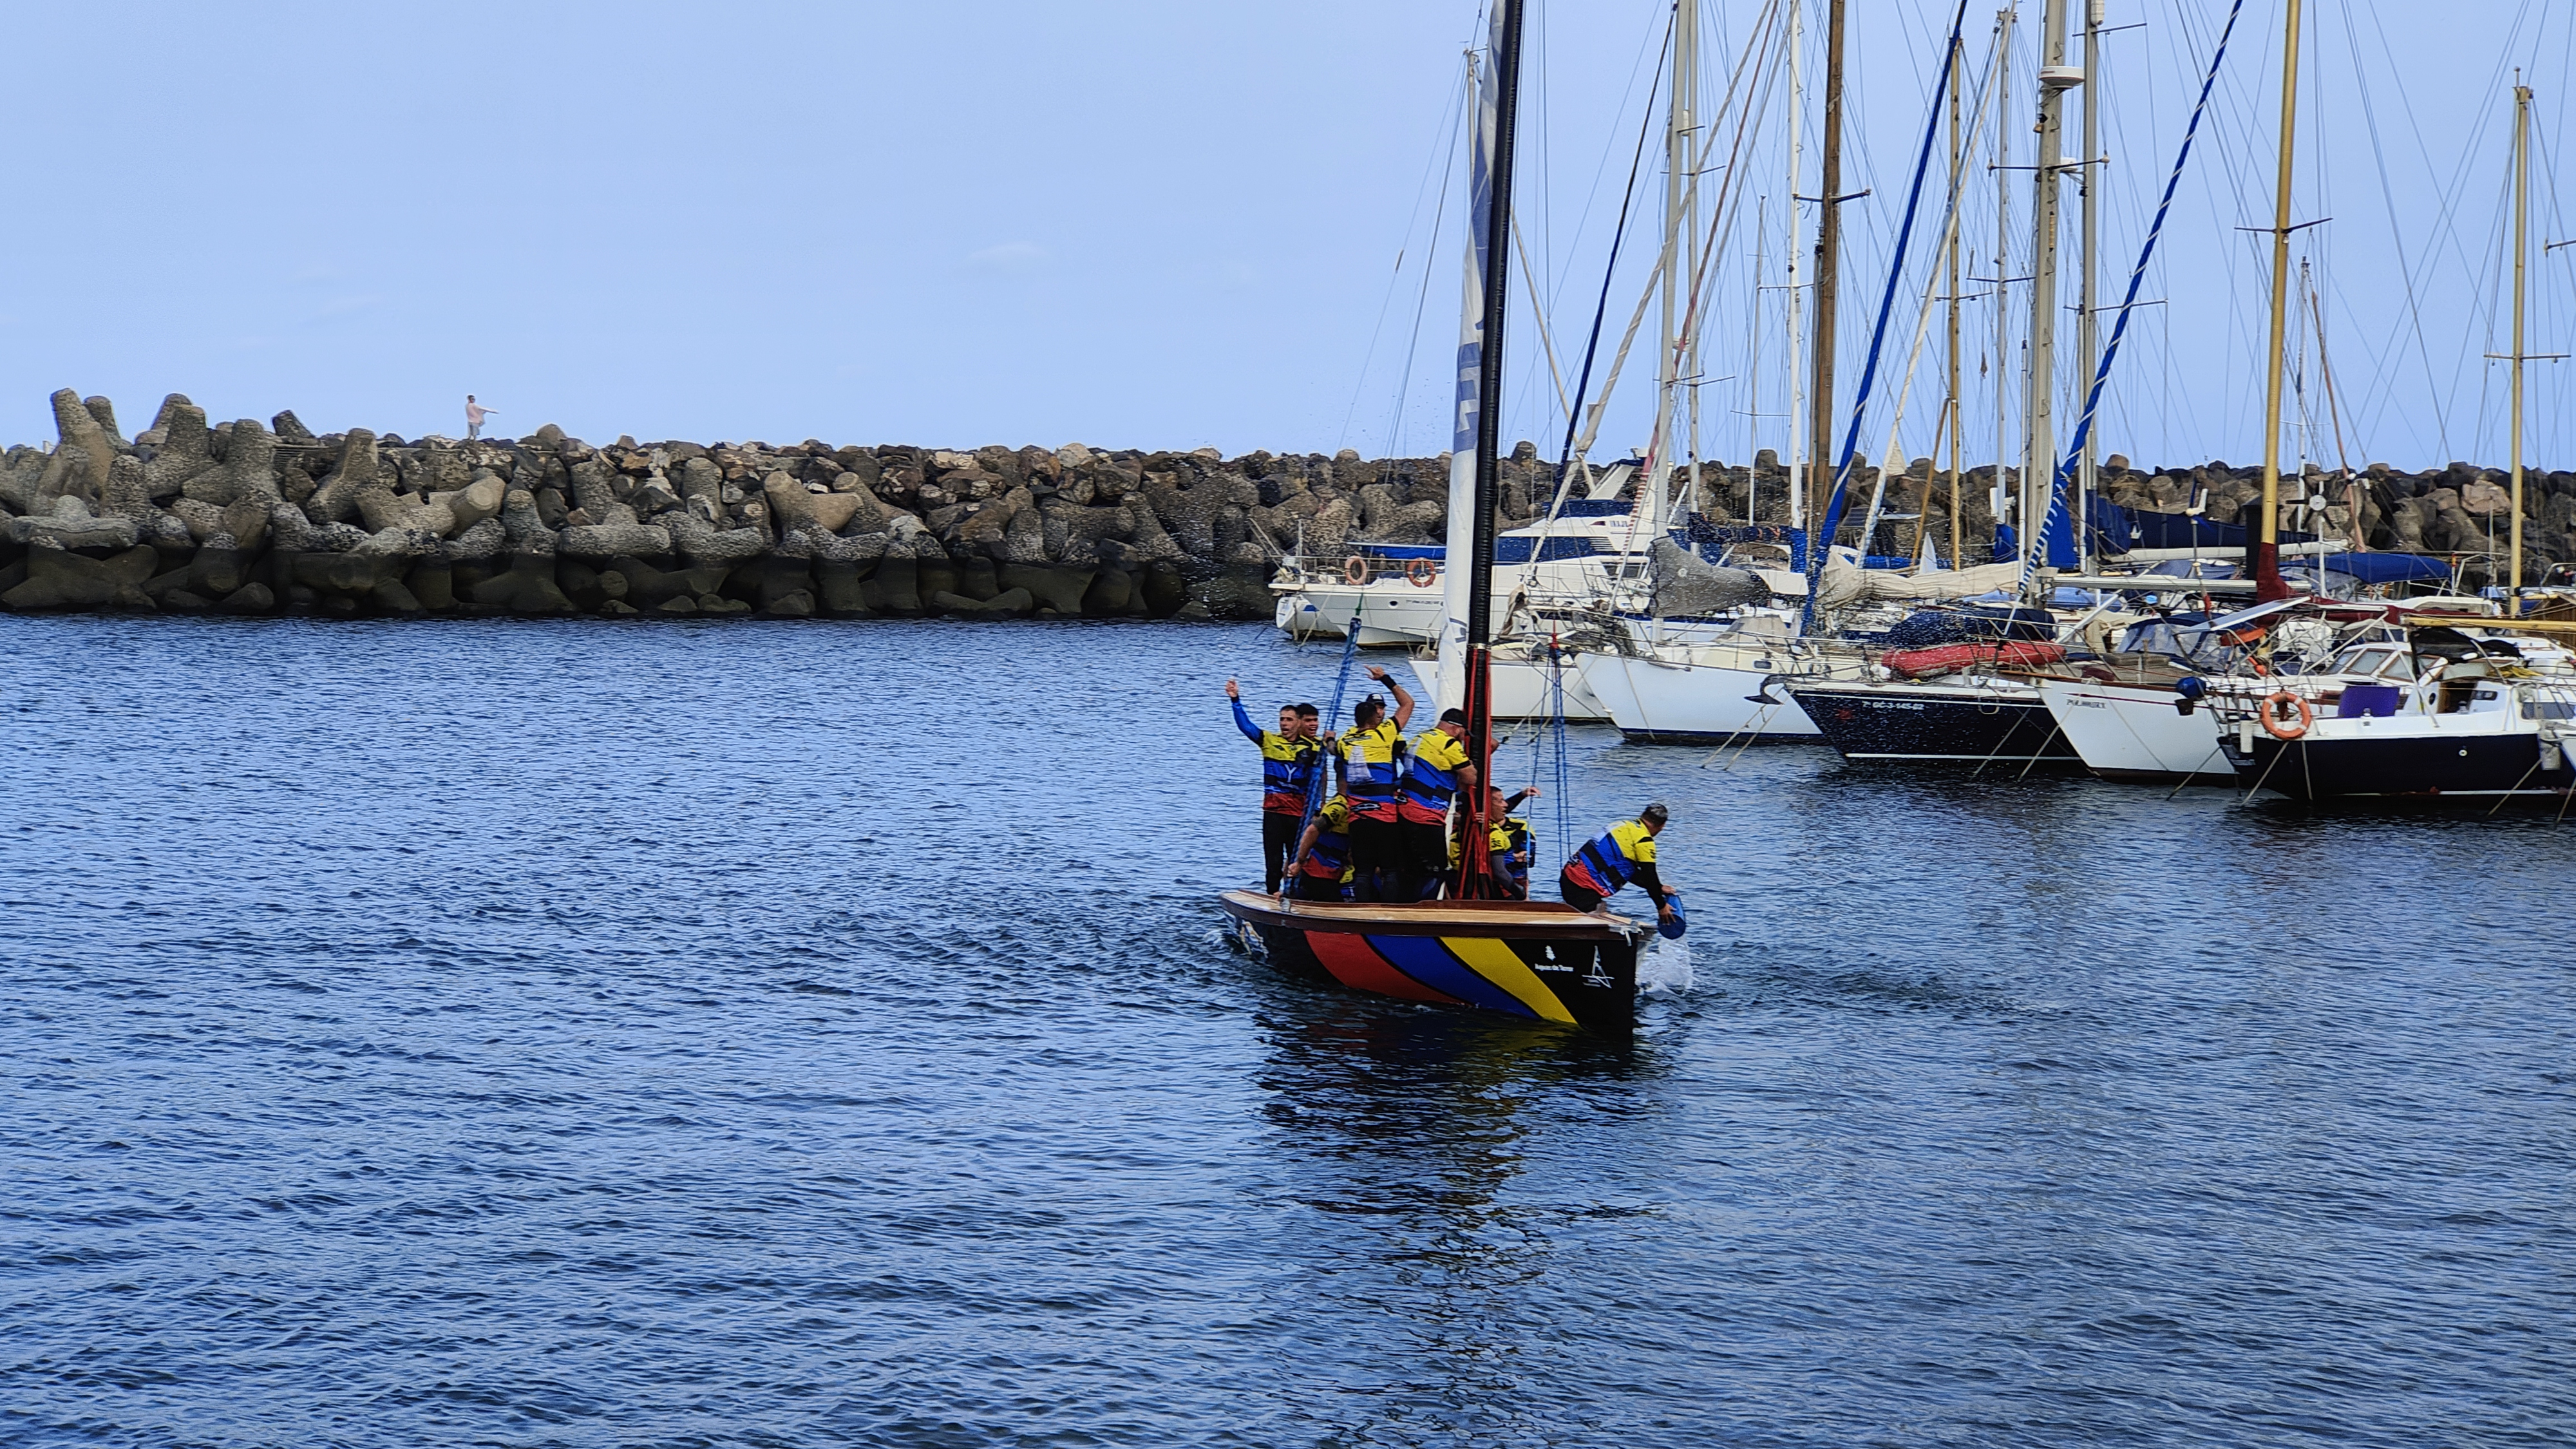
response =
{"points": [[1539, 961]]}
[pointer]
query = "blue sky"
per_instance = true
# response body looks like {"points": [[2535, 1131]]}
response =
{"points": [[1130, 223]]}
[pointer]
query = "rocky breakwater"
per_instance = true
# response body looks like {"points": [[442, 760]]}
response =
{"points": [[250, 518], [2457, 511]]}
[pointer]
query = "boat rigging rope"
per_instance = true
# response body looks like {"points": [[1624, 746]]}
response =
{"points": [[1332, 712], [2120, 327], [1822, 542]]}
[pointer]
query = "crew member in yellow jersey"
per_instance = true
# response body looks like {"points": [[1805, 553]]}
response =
{"points": [[1438, 770], [1507, 847], [1625, 852], [1288, 761], [1372, 753]]}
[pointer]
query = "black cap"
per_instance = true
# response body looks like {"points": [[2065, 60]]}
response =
{"points": [[1453, 716]]}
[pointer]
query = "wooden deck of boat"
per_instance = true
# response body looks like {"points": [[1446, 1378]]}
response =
{"points": [[1508, 920]]}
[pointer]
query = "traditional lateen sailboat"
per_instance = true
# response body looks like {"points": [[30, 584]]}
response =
{"points": [[1537, 960]]}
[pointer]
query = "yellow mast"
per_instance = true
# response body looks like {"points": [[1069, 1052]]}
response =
{"points": [[2267, 545]]}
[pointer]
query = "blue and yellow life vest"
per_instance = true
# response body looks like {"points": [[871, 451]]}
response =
{"points": [[1431, 778], [1287, 766], [1610, 860], [1330, 859], [1373, 761]]}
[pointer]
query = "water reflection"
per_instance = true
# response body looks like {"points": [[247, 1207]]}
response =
{"points": [[1398, 1136]]}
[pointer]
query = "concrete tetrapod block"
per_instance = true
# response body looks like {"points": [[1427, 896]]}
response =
{"points": [[842, 588], [60, 579], [895, 587], [78, 427], [1058, 587], [1010, 603], [528, 587], [70, 524], [648, 588]]}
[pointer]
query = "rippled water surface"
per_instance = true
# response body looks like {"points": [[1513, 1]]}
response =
{"points": [[509, 1033]]}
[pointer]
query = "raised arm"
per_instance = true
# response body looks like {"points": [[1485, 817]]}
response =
{"points": [[1242, 720], [1403, 699]]}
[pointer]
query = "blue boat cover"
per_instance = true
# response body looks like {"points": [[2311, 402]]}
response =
{"points": [[2387, 568]]}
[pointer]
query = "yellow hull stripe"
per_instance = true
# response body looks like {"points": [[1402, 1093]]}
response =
{"points": [[1496, 962]]}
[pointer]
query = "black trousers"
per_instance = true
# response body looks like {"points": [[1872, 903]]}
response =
{"points": [[1377, 860], [1581, 897], [1278, 842], [1426, 857], [1315, 888]]}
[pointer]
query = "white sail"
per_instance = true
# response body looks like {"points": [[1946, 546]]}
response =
{"points": [[1458, 574]]}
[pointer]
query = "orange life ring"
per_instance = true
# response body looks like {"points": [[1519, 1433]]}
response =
{"points": [[1355, 569], [1421, 573], [2277, 727]]}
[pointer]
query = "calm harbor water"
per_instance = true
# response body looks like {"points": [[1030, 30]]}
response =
{"points": [[724, 1033]]}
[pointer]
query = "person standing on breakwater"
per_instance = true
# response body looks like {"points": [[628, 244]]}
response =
{"points": [[1288, 759], [1625, 852], [1438, 771], [1372, 764], [475, 413]]}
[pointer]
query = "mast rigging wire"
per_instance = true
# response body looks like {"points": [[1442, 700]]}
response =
{"points": [[2065, 471], [1823, 542]]}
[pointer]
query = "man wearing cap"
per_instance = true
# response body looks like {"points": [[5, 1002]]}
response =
{"points": [[1625, 852], [1438, 770], [1372, 754]]}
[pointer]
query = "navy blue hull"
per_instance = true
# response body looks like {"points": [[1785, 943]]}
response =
{"points": [[1939, 727], [2471, 768]]}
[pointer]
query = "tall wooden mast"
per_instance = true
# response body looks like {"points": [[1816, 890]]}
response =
{"points": [[2267, 538], [1829, 240]]}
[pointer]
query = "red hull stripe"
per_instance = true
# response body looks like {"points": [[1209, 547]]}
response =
{"points": [[1426, 960], [1355, 964]]}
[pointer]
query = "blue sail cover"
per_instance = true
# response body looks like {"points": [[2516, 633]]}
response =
{"points": [[2388, 568]]}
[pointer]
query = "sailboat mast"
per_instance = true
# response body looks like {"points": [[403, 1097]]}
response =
{"points": [[2267, 539], [1953, 420], [1678, 274], [1473, 874], [2088, 336], [2003, 252], [2521, 250], [2039, 435], [1829, 239]]}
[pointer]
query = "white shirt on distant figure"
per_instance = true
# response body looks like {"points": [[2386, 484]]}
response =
{"points": [[475, 413]]}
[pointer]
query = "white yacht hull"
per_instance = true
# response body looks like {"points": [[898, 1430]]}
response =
{"points": [[1697, 696], [2134, 732], [1521, 689], [1391, 616]]}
